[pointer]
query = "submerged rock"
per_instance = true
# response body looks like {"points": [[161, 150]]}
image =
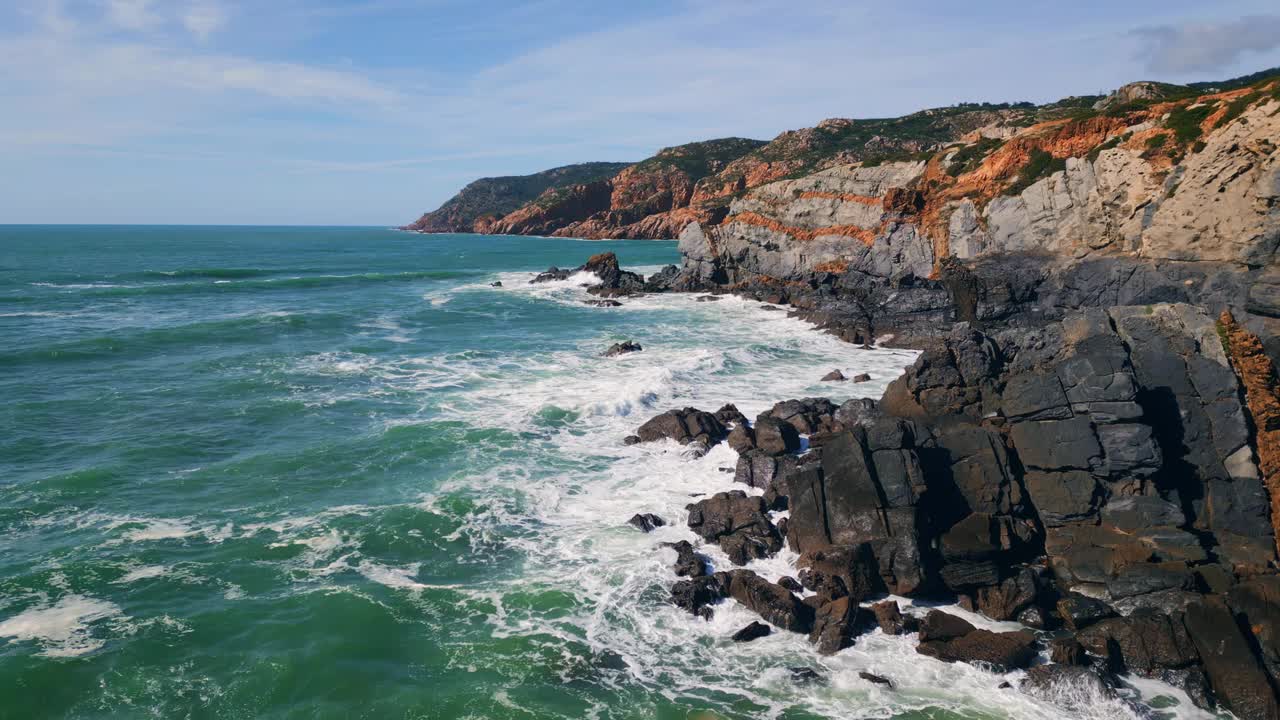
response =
{"points": [[646, 522], [622, 348]]}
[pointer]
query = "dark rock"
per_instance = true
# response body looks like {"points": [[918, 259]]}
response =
{"points": [[841, 570], [768, 472], [769, 600], [689, 563], [876, 679], [940, 626], [834, 376], [1235, 675], [496, 283], [754, 631], [1063, 497], [861, 378], [889, 617], [602, 303], [738, 523], [646, 522], [622, 348], [1035, 618], [1256, 603], [1057, 444], [1002, 651], [550, 274], [708, 298], [971, 550], [631, 440], [1142, 578], [741, 438], [1167, 602], [804, 675], [729, 414], [1137, 512], [808, 416], [1141, 643], [696, 595], [684, 426], [1072, 687], [836, 624], [1067, 651], [1079, 612], [1005, 600], [791, 584], [844, 501], [776, 437]]}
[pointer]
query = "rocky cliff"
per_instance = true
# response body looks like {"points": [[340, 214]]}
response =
{"points": [[482, 202], [654, 198], [1139, 201]]}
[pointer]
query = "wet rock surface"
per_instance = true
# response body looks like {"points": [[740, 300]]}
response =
{"points": [[1071, 477]]}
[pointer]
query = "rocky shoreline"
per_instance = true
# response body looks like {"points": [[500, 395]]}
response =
{"points": [[1104, 475]]}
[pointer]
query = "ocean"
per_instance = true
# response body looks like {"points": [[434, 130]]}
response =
{"points": [[337, 473]]}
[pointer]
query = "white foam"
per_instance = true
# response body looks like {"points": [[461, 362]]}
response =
{"points": [[570, 526], [142, 572], [62, 629], [160, 529]]}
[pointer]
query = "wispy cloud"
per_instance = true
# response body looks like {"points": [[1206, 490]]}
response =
{"points": [[204, 18], [132, 14], [1206, 46]]}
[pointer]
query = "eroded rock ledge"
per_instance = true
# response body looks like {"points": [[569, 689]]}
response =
{"points": [[1096, 479]]}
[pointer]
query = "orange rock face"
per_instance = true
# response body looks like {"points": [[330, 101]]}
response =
{"points": [[804, 234], [1262, 398]]}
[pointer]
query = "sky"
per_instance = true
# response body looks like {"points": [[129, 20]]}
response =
{"points": [[338, 112]]}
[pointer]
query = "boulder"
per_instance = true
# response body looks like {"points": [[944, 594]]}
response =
{"points": [[697, 594], [775, 437], [738, 523], [860, 378], [769, 600], [689, 563], [646, 522], [940, 626], [684, 426], [1003, 651], [834, 376], [876, 679], [889, 617], [1005, 600], [754, 631], [729, 414], [1079, 611], [1067, 651], [836, 624], [742, 439]]}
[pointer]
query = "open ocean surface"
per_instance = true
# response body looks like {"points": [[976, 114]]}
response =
{"points": [[333, 473]]}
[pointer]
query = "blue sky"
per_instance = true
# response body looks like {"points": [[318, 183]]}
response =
{"points": [[344, 112]]}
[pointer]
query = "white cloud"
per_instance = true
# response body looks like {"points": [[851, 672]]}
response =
{"points": [[132, 14], [203, 19], [1206, 46]]}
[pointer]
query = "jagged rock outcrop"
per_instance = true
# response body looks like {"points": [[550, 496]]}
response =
{"points": [[1096, 474]]}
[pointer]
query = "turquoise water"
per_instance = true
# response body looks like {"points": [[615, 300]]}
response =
{"points": [[334, 473]]}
